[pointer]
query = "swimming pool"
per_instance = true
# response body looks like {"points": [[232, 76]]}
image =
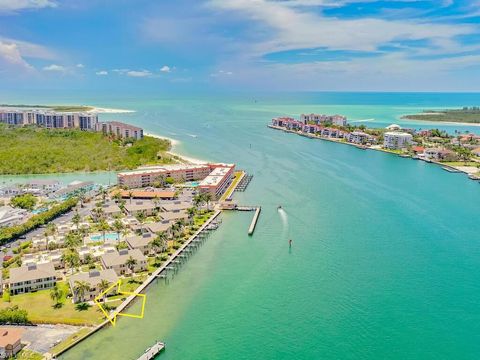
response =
{"points": [[192, 183], [108, 237]]}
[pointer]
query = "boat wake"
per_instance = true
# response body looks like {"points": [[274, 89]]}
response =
{"points": [[192, 135], [284, 217]]}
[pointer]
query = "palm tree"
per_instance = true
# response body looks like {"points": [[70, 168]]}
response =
{"points": [[80, 289], [52, 228], [72, 240], [104, 193], [118, 227], [103, 227], [76, 219], [191, 213], [117, 196], [130, 195], [131, 262], [56, 294], [81, 197], [156, 243], [102, 286], [71, 258], [207, 197]]}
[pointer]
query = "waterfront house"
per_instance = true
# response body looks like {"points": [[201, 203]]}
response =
{"points": [[418, 150], [42, 186], [438, 154], [140, 242], [397, 140], [281, 121], [32, 277], [359, 137], [117, 260], [174, 215], [476, 151], [93, 278], [10, 341]]}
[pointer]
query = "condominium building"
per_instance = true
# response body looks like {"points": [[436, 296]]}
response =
{"points": [[120, 130], [93, 278], [147, 176], [215, 178], [338, 120], [49, 118], [32, 277], [396, 140], [217, 182], [118, 261]]}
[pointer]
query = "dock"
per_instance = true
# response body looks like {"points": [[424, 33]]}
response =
{"points": [[153, 351], [243, 184], [251, 229]]}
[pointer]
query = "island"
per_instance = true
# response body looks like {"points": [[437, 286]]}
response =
{"points": [[467, 115]]}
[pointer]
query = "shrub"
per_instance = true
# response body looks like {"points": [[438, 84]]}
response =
{"points": [[13, 315]]}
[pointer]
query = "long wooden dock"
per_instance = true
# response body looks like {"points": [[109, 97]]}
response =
{"points": [[251, 229], [153, 351]]}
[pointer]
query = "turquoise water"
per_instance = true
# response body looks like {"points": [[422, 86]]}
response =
{"points": [[108, 237], [385, 261]]}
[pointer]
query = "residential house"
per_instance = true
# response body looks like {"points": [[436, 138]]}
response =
{"points": [[359, 137], [175, 205], [157, 227], [32, 277], [174, 215], [148, 208], [93, 278], [140, 242], [10, 341], [438, 154], [117, 260], [476, 151]]}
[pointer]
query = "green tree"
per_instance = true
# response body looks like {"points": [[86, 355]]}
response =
{"points": [[76, 219], [102, 286], [71, 259], [72, 240], [131, 262], [56, 294], [118, 227], [25, 201], [80, 288], [103, 227]]}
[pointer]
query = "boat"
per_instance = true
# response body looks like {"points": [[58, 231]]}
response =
{"points": [[279, 207]]}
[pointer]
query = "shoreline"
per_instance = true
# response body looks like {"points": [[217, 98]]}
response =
{"points": [[101, 110], [172, 151], [374, 147]]}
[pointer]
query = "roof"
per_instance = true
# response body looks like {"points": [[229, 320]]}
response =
{"points": [[139, 241], [139, 205], [33, 272], [175, 205], [94, 277], [159, 226], [174, 215], [118, 258], [10, 335], [141, 194]]}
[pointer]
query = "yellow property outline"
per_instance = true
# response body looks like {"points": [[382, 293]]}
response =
{"points": [[113, 317]]}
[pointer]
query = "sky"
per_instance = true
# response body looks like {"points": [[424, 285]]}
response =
{"points": [[266, 45]]}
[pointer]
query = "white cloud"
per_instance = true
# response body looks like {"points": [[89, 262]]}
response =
{"points": [[15, 5], [284, 27], [80, 66], [138, 73], [31, 50], [221, 73], [165, 69], [55, 68], [102, 73], [11, 58]]}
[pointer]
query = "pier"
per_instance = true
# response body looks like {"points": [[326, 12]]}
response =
{"points": [[153, 351], [243, 184], [251, 229]]}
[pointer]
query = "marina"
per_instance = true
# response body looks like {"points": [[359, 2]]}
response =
{"points": [[244, 182], [253, 224]]}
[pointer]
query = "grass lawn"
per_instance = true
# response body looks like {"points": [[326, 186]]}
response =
{"points": [[28, 355], [70, 340], [461, 163], [41, 309]]}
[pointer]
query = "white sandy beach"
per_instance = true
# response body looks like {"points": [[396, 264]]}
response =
{"points": [[174, 143], [110, 111]]}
